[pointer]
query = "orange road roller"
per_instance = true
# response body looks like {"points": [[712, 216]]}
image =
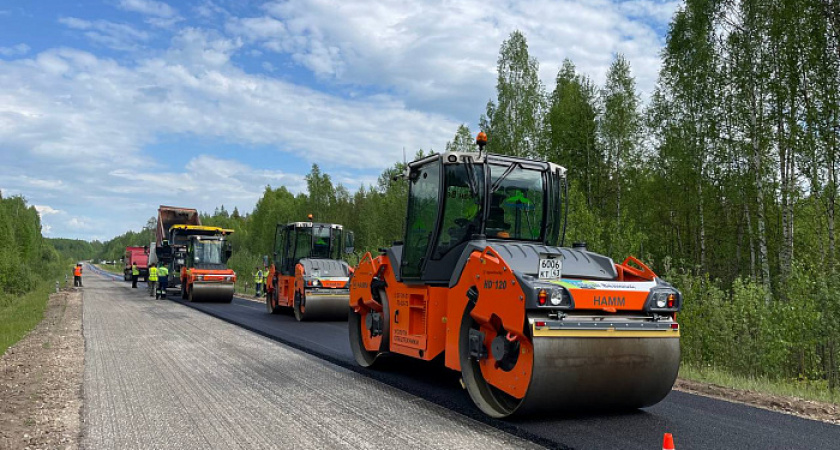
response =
{"points": [[307, 274], [482, 278]]}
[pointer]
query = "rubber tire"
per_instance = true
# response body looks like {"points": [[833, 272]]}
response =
{"points": [[481, 393], [190, 296]]}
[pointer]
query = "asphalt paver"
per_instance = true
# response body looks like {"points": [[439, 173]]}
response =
{"points": [[159, 375]]}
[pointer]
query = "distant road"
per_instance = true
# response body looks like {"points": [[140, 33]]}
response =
{"points": [[159, 375], [697, 422]]}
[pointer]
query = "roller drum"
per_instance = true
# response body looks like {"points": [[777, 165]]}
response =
{"points": [[590, 373], [212, 292], [325, 307]]}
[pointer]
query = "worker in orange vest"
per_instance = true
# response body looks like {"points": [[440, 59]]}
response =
{"points": [[77, 276]]}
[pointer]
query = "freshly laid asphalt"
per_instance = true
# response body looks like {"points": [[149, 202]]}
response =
{"points": [[696, 422]]}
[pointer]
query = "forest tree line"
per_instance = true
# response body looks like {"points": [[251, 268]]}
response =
{"points": [[725, 180]]}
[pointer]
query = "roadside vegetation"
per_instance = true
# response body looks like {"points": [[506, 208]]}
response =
{"points": [[724, 181], [29, 268]]}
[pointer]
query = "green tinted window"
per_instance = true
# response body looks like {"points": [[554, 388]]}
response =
{"points": [[462, 209], [320, 242], [424, 186], [303, 243], [516, 204]]}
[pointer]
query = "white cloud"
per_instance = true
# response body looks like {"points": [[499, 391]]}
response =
{"points": [[79, 132], [118, 36], [441, 55], [15, 50], [45, 210], [86, 121], [149, 7], [159, 14]]}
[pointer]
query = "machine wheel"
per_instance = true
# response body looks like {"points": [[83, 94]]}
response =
{"points": [[488, 398], [190, 295], [270, 300], [357, 328], [300, 309]]}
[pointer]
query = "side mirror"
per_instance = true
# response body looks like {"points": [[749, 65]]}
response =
{"points": [[228, 253], [349, 242]]}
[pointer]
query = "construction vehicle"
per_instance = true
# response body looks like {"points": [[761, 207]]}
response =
{"points": [[482, 280], [195, 255], [308, 274], [139, 256]]}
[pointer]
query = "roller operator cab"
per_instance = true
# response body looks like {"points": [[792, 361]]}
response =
{"points": [[308, 275], [483, 279]]}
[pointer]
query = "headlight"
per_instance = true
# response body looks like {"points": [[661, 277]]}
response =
{"points": [[553, 296], [661, 300]]}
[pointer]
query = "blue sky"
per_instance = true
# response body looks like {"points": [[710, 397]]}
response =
{"points": [[110, 108]]}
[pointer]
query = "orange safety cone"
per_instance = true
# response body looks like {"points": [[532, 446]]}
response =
{"points": [[668, 442]]}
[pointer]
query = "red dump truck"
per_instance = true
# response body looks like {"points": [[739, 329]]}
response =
{"points": [[139, 256]]}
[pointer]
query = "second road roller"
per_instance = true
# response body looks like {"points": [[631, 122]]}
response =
{"points": [[308, 274], [483, 279]]}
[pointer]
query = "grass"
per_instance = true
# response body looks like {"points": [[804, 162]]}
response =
{"points": [[20, 313], [806, 389]]}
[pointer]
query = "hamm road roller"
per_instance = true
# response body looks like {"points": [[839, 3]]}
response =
{"points": [[482, 278], [308, 274]]}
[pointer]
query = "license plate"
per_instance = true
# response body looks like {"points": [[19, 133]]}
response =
{"points": [[550, 268]]}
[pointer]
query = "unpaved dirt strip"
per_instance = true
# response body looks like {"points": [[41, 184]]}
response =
{"points": [[159, 375], [41, 380]]}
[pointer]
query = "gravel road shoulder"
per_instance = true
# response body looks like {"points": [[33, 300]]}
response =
{"points": [[41, 380]]}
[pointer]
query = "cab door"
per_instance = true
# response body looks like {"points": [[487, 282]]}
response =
{"points": [[423, 204]]}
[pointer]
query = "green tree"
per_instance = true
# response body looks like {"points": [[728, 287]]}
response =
{"points": [[514, 120]]}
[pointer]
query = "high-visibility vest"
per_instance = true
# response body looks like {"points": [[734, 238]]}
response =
{"points": [[135, 270], [77, 271], [162, 271], [258, 277], [152, 273]]}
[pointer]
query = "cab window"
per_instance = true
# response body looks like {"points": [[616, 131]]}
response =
{"points": [[515, 209]]}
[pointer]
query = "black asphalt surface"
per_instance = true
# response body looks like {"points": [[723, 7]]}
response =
{"points": [[696, 422]]}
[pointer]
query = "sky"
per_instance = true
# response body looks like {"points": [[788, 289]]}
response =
{"points": [[110, 108]]}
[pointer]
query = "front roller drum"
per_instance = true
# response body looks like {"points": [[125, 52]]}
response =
{"points": [[563, 374], [211, 292], [321, 307]]}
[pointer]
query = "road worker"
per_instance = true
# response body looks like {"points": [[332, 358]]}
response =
{"points": [[259, 280], [135, 274], [152, 279], [163, 281], [77, 275]]}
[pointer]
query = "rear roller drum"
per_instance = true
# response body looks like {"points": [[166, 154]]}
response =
{"points": [[270, 301], [299, 307], [369, 330], [484, 345]]}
